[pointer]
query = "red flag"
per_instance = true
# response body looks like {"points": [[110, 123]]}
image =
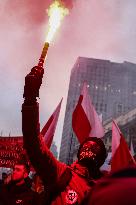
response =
{"points": [[121, 156], [49, 128], [85, 120]]}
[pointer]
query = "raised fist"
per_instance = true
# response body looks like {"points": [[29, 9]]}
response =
{"points": [[33, 82]]}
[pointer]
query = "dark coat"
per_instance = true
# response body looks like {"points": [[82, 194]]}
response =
{"points": [[21, 195], [54, 174]]}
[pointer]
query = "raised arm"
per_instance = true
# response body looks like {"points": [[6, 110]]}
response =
{"points": [[45, 164]]}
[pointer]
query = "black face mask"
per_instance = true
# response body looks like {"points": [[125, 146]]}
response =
{"points": [[88, 154]]}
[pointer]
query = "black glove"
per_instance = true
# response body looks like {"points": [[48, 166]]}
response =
{"points": [[33, 82]]}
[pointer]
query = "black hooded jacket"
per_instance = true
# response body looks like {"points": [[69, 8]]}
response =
{"points": [[12, 194]]}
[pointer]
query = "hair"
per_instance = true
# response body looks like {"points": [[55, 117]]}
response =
{"points": [[103, 153], [24, 162]]}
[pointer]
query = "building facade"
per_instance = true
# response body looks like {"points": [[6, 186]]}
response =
{"points": [[127, 125], [54, 149], [112, 87]]}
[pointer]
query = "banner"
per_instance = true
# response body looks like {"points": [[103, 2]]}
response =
{"points": [[10, 150]]}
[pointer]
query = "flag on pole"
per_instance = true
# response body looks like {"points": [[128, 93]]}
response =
{"points": [[121, 156], [49, 128], [85, 120]]}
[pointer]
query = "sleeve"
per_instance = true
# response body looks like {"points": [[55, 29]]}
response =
{"points": [[43, 161]]}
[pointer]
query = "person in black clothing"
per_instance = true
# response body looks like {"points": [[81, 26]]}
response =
{"points": [[63, 184], [2, 181], [18, 191]]}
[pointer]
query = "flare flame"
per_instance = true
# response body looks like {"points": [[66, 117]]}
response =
{"points": [[56, 13]]}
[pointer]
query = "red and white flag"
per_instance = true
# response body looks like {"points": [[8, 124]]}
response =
{"points": [[85, 121], [121, 156], [49, 128]]}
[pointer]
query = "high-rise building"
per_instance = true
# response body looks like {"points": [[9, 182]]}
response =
{"points": [[54, 149], [127, 125], [112, 87]]}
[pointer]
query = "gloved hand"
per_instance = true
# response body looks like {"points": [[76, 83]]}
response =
{"points": [[33, 82]]}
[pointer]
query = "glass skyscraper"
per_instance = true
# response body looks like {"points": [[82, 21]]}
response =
{"points": [[112, 87]]}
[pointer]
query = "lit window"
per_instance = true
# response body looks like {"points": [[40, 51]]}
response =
{"points": [[96, 87]]}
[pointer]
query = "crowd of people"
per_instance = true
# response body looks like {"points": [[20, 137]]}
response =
{"points": [[55, 183], [18, 188]]}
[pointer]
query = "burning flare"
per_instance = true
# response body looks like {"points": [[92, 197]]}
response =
{"points": [[56, 13]]}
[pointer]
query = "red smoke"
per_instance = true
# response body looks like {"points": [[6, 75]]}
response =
{"points": [[68, 3], [31, 12]]}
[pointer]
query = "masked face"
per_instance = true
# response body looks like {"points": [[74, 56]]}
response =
{"points": [[89, 153]]}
